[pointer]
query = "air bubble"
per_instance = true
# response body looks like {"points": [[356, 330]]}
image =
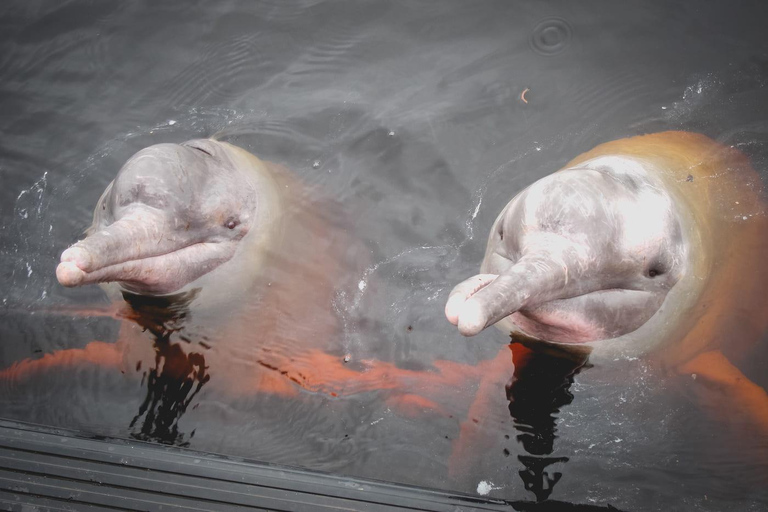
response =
{"points": [[316, 164]]}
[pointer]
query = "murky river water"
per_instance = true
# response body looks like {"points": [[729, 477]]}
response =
{"points": [[421, 120]]}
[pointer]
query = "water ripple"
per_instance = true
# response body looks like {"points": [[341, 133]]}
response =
{"points": [[220, 72], [550, 36], [340, 50], [65, 44]]}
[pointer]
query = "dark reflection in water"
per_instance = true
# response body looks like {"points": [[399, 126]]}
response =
{"points": [[177, 376], [540, 387], [558, 506], [418, 118]]}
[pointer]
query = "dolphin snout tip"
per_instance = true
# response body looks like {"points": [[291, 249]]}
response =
{"points": [[69, 274], [472, 318], [79, 257], [453, 308]]}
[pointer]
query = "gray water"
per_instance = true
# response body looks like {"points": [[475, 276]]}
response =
{"points": [[422, 119]]}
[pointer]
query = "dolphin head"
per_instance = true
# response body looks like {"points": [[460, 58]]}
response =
{"points": [[173, 213]]}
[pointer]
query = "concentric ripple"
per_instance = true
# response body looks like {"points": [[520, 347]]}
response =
{"points": [[551, 36]]}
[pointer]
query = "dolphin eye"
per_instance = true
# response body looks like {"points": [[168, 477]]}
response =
{"points": [[655, 271], [232, 223], [202, 150]]}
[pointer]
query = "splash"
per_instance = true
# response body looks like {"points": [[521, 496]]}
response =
{"points": [[29, 210], [32, 195]]}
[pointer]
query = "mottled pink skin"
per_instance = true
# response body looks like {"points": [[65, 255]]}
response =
{"points": [[582, 255], [173, 213]]}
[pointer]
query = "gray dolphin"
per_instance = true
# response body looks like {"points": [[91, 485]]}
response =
{"points": [[584, 254], [174, 214], [628, 245]]}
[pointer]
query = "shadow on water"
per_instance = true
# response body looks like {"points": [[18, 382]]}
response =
{"points": [[177, 376], [558, 506], [539, 389]]}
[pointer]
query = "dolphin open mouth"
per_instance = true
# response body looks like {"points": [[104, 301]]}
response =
{"points": [[543, 310], [156, 274], [144, 251], [593, 316]]}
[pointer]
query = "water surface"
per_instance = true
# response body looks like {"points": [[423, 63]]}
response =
{"points": [[421, 120]]}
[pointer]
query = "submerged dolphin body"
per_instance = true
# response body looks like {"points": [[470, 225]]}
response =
{"points": [[226, 271], [226, 254], [640, 241], [653, 245]]}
